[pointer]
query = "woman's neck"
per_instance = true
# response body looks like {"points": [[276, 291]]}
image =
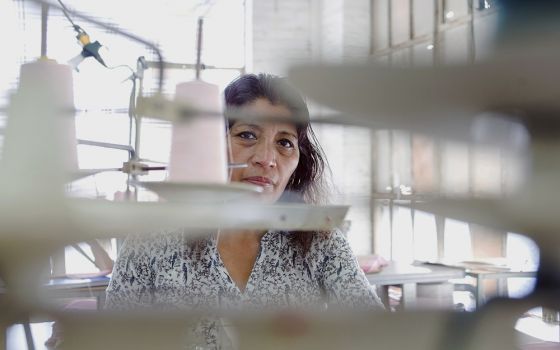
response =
{"points": [[238, 250], [240, 236]]}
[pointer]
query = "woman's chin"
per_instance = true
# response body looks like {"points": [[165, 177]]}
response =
{"points": [[266, 197], [267, 194]]}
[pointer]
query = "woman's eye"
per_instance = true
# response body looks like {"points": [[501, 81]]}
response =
{"points": [[247, 135], [286, 143]]}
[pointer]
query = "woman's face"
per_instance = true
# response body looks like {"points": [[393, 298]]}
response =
{"points": [[270, 149]]}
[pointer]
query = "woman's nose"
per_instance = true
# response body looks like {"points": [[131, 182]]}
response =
{"points": [[265, 155]]}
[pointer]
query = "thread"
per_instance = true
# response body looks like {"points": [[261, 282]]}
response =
{"points": [[198, 146]]}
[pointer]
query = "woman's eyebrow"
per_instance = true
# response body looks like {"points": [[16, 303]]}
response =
{"points": [[289, 133], [247, 125]]}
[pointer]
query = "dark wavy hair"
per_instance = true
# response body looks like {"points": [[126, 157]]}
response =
{"points": [[307, 184]]}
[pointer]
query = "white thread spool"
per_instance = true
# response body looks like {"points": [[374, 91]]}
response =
{"points": [[41, 133], [55, 81], [198, 146]]}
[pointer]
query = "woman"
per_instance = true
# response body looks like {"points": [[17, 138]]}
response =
{"points": [[247, 268]]}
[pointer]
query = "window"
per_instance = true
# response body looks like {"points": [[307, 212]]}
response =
{"points": [[101, 96], [408, 168]]}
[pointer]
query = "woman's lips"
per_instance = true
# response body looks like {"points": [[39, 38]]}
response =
{"points": [[259, 181]]}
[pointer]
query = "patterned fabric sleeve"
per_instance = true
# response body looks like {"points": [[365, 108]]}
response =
{"points": [[132, 283], [345, 284]]}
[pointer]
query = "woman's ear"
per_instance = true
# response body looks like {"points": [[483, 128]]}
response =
{"points": [[289, 196]]}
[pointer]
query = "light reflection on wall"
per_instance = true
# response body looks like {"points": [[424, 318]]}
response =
{"points": [[522, 254]]}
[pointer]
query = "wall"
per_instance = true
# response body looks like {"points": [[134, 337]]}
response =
{"points": [[293, 31], [281, 34], [297, 31]]}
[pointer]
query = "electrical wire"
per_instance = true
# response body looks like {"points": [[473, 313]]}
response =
{"points": [[122, 66], [152, 46], [65, 12], [79, 29], [208, 4]]}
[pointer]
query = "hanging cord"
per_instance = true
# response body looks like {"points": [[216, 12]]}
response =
{"points": [[132, 77], [154, 47], [90, 49], [65, 12], [81, 33]]}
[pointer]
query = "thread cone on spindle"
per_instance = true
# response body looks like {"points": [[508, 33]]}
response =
{"points": [[198, 146]]}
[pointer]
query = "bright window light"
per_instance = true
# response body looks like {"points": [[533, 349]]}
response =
{"points": [[102, 95], [425, 236], [403, 245], [457, 238]]}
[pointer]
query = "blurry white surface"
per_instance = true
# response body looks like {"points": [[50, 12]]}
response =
{"points": [[15, 336], [40, 133], [201, 192], [533, 325], [444, 101], [425, 237], [457, 240]]}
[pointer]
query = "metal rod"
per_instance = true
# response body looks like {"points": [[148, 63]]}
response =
{"points": [[178, 65], [162, 167], [131, 109], [390, 24], [374, 145], [138, 132], [118, 31], [109, 145], [81, 251], [472, 42], [237, 165], [141, 66], [411, 19], [438, 5], [28, 336], [199, 47], [44, 19]]}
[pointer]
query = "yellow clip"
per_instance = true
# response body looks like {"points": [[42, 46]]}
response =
{"points": [[83, 38]]}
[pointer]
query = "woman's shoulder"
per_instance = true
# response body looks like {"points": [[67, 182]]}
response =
{"points": [[330, 250], [311, 245], [165, 241], [328, 241]]}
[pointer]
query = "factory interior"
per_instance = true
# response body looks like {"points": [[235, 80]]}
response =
{"points": [[438, 122]]}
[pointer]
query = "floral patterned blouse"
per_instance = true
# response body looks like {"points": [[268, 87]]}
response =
{"points": [[169, 270]]}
